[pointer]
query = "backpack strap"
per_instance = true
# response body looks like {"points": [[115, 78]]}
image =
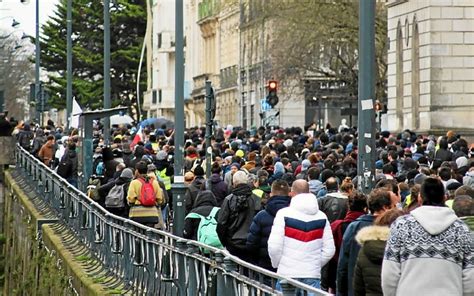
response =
{"points": [[194, 216], [214, 211]]}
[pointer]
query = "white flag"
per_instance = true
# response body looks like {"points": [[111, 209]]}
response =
{"points": [[76, 111]]}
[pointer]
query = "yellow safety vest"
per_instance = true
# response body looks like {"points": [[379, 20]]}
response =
{"points": [[164, 178]]}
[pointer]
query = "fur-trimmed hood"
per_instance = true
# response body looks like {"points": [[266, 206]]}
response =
{"points": [[372, 233]]}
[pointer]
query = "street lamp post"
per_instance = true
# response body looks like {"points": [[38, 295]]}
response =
{"points": [[69, 64], [107, 103], [366, 112], [37, 66]]}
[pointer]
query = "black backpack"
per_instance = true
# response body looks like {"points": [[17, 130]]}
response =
{"points": [[65, 168]]}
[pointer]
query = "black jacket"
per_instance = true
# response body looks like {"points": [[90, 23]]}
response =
{"points": [[203, 205], [194, 188], [257, 239], [219, 188], [235, 217], [334, 205]]}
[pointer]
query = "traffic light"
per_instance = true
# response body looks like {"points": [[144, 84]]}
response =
{"points": [[272, 97]]}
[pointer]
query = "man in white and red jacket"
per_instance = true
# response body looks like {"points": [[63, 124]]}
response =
{"points": [[301, 241]]}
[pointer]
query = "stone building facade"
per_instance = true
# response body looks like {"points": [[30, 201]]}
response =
{"points": [[431, 65]]}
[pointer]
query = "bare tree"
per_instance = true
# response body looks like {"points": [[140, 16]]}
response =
{"points": [[17, 73]]}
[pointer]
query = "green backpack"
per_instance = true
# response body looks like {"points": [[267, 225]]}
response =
{"points": [[207, 233]]}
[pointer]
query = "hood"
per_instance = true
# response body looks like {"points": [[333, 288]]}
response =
{"points": [[216, 178], [71, 153], [276, 203], [279, 168], [315, 185], [434, 220], [242, 190], [371, 233], [461, 162], [205, 198], [305, 203], [39, 132]]}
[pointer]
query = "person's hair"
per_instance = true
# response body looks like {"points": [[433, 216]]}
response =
{"points": [[300, 186], [463, 206], [331, 184], [464, 190], [387, 168], [432, 192], [313, 173], [357, 201], [378, 200], [444, 173], [141, 167], [239, 177], [280, 187], [347, 185], [326, 174], [443, 143], [49, 138], [387, 184], [216, 168], [388, 217], [268, 160]]}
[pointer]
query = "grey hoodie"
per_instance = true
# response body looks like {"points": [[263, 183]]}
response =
{"points": [[429, 253]]}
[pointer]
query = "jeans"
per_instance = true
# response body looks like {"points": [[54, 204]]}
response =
{"points": [[313, 282]]}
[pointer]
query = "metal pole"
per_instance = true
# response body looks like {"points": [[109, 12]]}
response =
{"points": [[142, 54], [178, 186], [366, 112], [69, 64], [208, 130], [37, 65], [107, 103]]}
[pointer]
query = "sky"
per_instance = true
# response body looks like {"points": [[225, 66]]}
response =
{"points": [[25, 14]]}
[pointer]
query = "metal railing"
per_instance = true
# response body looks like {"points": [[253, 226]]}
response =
{"points": [[144, 260]]}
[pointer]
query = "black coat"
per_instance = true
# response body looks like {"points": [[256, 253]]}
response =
{"points": [[257, 239], [203, 205], [368, 269], [194, 188], [234, 220]]}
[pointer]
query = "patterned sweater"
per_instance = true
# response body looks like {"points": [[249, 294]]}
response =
{"points": [[428, 253]]}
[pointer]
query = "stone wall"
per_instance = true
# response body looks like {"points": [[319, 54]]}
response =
{"points": [[431, 65], [37, 260]]}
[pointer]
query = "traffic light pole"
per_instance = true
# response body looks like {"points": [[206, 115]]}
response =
{"points": [[366, 112], [69, 64], [208, 130], [107, 102]]}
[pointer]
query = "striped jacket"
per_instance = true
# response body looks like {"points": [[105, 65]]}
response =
{"points": [[301, 240]]}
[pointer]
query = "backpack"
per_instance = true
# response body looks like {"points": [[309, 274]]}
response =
{"points": [[65, 168], [207, 233], [92, 189], [115, 198], [147, 193]]}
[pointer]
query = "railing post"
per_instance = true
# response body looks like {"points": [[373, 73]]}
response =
{"points": [[287, 289], [220, 280], [191, 268], [181, 282], [230, 266]]}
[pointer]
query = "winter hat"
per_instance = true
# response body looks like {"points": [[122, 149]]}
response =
{"points": [[240, 177], [305, 165], [279, 168], [240, 153], [151, 168], [461, 162], [288, 143], [199, 171], [420, 178], [235, 165], [161, 155], [127, 174]]}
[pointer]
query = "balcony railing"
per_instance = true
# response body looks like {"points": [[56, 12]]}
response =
{"points": [[228, 77], [207, 8]]}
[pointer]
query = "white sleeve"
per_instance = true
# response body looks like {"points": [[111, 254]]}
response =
{"points": [[328, 244], [276, 238]]}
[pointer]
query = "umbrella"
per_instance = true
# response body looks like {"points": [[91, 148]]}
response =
{"points": [[157, 122], [120, 119]]}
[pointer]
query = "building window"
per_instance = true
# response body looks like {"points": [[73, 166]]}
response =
{"points": [[244, 117], [159, 40], [399, 76], [153, 97], [160, 96], [415, 75]]}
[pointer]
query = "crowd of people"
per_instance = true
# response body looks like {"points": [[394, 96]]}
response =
{"points": [[287, 200]]}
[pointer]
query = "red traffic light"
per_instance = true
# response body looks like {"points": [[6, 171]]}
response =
{"points": [[272, 85]]}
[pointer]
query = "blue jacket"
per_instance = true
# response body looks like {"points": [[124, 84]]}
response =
{"points": [[261, 227], [348, 255]]}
